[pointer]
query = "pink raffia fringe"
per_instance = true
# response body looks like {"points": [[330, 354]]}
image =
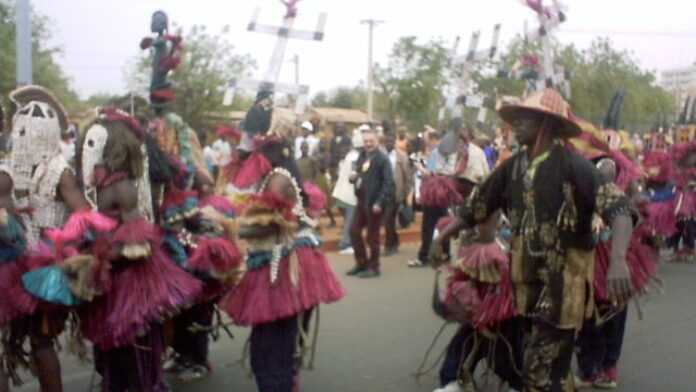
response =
{"points": [[142, 291], [252, 170], [317, 199], [440, 191], [641, 260], [475, 296], [257, 301]]}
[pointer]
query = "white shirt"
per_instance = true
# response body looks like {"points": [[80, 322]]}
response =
{"points": [[344, 190], [477, 165], [392, 159], [312, 142]]}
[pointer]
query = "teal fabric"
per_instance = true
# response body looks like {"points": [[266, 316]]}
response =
{"points": [[51, 285], [259, 259], [13, 243]]}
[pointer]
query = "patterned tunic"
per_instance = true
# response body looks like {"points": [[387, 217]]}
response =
{"points": [[550, 203]]}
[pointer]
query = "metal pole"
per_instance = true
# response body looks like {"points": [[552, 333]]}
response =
{"points": [[371, 23], [296, 60], [23, 43]]}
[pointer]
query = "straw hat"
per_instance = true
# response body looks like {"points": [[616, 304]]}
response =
{"points": [[548, 102]]}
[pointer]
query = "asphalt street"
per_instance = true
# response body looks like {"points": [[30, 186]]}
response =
{"points": [[376, 337]]}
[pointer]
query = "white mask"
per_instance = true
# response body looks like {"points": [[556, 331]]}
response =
{"points": [[35, 138], [93, 155]]}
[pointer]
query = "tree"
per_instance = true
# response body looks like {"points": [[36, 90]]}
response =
{"points": [[209, 63], [321, 99], [342, 97], [46, 71], [411, 83], [596, 74]]}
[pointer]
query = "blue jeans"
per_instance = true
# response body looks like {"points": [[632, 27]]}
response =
{"points": [[349, 212]]}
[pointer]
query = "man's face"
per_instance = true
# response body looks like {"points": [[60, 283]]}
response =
{"points": [[464, 134], [369, 141], [389, 143], [526, 128]]}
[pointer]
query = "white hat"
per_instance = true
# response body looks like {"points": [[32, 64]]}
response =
{"points": [[308, 126], [364, 127]]}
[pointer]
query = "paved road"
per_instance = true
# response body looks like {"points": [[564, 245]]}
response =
{"points": [[374, 339]]}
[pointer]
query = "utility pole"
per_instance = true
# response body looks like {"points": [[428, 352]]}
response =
{"points": [[371, 23], [296, 60], [23, 43]]}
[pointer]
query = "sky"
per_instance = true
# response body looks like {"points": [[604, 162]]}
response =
{"points": [[99, 38]]}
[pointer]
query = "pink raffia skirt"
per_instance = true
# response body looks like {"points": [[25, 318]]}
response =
{"points": [[661, 218], [480, 290], [687, 207], [15, 302], [440, 191], [257, 301], [141, 292], [642, 265]]}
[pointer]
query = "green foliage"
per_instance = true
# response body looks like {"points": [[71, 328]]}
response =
{"points": [[208, 64], [342, 97], [411, 83], [596, 74], [599, 71], [46, 71]]}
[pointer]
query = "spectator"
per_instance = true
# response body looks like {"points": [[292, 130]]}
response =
{"points": [[307, 136], [402, 141], [344, 192], [339, 147], [308, 166], [374, 186], [401, 171], [325, 183], [440, 161]]}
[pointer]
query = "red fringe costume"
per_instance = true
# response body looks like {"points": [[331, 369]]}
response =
{"points": [[143, 290], [641, 260], [660, 216], [440, 191], [479, 291], [259, 299], [287, 275]]}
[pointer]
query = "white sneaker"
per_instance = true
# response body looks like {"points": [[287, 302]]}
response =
{"points": [[346, 251], [451, 387]]}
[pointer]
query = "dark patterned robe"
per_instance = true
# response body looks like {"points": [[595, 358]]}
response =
{"points": [[550, 203]]}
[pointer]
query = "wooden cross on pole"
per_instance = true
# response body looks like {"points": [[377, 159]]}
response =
{"points": [[272, 74], [550, 18], [461, 89]]}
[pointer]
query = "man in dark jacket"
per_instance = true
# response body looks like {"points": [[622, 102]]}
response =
{"points": [[374, 186]]}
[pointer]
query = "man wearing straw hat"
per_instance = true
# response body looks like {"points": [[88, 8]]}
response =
{"points": [[549, 194]]}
